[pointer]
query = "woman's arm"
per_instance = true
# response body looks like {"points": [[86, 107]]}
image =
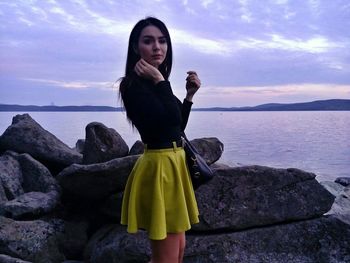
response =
{"points": [[193, 83], [151, 104]]}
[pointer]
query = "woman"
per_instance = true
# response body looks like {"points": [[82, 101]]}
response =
{"points": [[159, 195]]}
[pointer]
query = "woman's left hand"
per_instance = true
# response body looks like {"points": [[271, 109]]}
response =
{"points": [[193, 83]]}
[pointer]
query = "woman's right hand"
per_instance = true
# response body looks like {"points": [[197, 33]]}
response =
{"points": [[146, 70]]}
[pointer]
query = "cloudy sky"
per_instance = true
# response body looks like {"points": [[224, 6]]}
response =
{"points": [[247, 52]]}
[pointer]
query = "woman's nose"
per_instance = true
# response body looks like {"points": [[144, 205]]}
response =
{"points": [[156, 45]]}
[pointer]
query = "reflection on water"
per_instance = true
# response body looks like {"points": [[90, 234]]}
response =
{"points": [[318, 142]]}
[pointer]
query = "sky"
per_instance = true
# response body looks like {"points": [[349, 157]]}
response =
{"points": [[246, 52]]}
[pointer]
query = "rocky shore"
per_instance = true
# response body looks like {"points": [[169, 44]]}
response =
{"points": [[59, 204]]}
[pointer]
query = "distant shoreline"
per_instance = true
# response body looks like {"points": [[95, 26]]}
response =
{"points": [[320, 105]]}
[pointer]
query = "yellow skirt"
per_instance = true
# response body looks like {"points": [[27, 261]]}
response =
{"points": [[159, 195]]}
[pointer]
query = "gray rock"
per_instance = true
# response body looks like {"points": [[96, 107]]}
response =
{"points": [[97, 181], [334, 188], [324, 239], [30, 204], [8, 259], [103, 144], [27, 187], [216, 166], [243, 197], [35, 241], [79, 146], [341, 205], [112, 244], [46, 241], [137, 148], [25, 135], [112, 206], [345, 181], [210, 149], [74, 239]]}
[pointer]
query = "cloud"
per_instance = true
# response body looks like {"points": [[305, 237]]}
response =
{"points": [[315, 44], [77, 45], [74, 84]]}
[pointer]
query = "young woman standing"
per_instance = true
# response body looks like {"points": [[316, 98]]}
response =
{"points": [[159, 195]]}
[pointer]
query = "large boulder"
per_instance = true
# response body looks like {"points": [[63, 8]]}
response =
{"points": [[341, 205], [324, 239], [112, 244], [103, 144], [42, 241], [97, 181], [210, 149], [250, 196], [8, 259], [79, 146], [27, 188], [137, 148], [112, 206], [35, 241], [25, 135], [334, 188]]}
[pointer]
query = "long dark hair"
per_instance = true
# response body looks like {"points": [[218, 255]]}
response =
{"points": [[133, 57]]}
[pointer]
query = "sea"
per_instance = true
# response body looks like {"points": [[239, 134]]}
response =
{"points": [[314, 141]]}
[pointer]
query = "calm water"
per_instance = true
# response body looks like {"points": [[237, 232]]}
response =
{"points": [[318, 142]]}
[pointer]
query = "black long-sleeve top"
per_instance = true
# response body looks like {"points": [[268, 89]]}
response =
{"points": [[156, 112]]}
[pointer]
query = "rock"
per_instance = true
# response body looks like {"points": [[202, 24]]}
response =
{"points": [[345, 181], [49, 240], [334, 188], [210, 149], [30, 204], [79, 146], [35, 241], [74, 239], [103, 144], [8, 259], [216, 166], [27, 188], [137, 148], [324, 239], [112, 206], [97, 181], [244, 197], [25, 135], [112, 244], [341, 205]]}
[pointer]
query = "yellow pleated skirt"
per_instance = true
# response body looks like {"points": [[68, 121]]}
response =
{"points": [[159, 195]]}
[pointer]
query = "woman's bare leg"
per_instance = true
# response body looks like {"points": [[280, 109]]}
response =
{"points": [[182, 246], [167, 250]]}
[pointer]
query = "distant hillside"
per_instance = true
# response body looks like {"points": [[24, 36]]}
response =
{"points": [[319, 105]]}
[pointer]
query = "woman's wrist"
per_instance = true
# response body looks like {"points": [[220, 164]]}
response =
{"points": [[189, 97], [158, 79]]}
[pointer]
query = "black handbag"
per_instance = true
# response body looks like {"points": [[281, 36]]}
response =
{"points": [[199, 170]]}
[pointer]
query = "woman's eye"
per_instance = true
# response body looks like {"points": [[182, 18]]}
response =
{"points": [[147, 41], [162, 41]]}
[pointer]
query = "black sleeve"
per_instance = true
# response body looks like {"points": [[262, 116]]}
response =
{"points": [[152, 104], [185, 108]]}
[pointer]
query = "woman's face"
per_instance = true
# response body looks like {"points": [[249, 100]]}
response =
{"points": [[152, 45]]}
